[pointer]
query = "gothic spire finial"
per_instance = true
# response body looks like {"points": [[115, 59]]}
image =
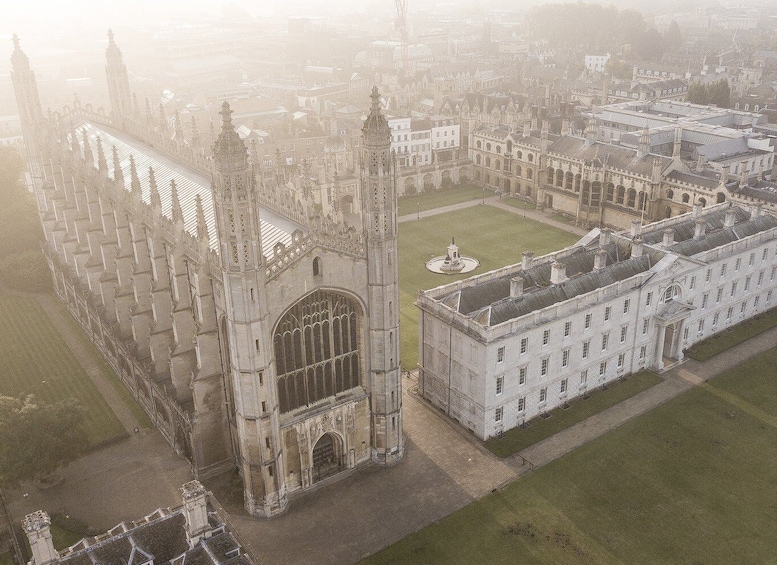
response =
{"points": [[102, 164], [226, 117], [176, 210], [134, 180], [88, 157], [156, 200], [118, 174], [202, 225]]}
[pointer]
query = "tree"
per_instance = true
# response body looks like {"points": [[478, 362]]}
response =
{"points": [[619, 69], [36, 438], [673, 37], [718, 93], [20, 232], [649, 45]]}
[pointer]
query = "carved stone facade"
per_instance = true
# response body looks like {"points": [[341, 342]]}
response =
{"points": [[256, 332]]}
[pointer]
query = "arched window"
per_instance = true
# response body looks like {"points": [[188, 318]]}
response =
{"points": [[487, 178], [720, 198], [518, 171], [702, 201], [642, 200], [519, 155], [507, 185], [488, 161], [478, 159], [479, 144], [531, 157], [316, 344], [619, 194], [569, 181], [578, 180], [498, 149], [497, 164], [317, 270], [529, 174], [528, 191], [668, 212], [610, 192], [551, 175], [686, 198], [559, 178], [632, 198], [488, 147], [669, 194]]}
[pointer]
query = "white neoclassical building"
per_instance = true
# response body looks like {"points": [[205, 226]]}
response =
{"points": [[503, 347]]}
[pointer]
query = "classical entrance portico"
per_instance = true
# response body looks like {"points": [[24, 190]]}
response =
{"points": [[670, 324]]}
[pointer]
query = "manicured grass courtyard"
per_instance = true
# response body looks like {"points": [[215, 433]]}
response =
{"points": [[424, 201], [733, 336], [493, 236], [35, 360], [690, 482], [579, 409]]}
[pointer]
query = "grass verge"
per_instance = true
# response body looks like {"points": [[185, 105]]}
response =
{"points": [[105, 369], [690, 482], [580, 408], [733, 336], [424, 201], [37, 361]]}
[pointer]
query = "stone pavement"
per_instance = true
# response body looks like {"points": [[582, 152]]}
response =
{"points": [[65, 324]]}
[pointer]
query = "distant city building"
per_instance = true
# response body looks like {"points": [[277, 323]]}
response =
{"points": [[596, 63]]}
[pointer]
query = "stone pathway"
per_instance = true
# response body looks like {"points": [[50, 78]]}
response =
{"points": [[472, 467], [497, 202], [57, 314]]}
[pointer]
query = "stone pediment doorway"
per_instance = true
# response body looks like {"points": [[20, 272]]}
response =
{"points": [[670, 323]]}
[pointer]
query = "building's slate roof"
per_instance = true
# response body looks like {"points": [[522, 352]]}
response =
{"points": [[690, 178], [615, 156], [715, 234], [493, 296]]}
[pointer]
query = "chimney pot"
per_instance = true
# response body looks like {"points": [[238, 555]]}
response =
{"points": [[600, 260], [516, 287], [668, 238], [558, 273], [700, 229], [526, 260]]}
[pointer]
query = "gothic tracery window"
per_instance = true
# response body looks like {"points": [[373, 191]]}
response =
{"points": [[317, 349]]}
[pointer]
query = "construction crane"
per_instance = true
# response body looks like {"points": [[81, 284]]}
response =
{"points": [[401, 25]]}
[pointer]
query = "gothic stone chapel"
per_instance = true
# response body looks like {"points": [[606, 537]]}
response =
{"points": [[255, 332]]}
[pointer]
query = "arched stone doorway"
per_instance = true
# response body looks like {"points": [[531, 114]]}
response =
{"points": [[328, 457]]}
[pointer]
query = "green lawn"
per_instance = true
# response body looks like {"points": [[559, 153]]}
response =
{"points": [[733, 336], [690, 482], [37, 361], [438, 198], [493, 236], [579, 409], [108, 373]]}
